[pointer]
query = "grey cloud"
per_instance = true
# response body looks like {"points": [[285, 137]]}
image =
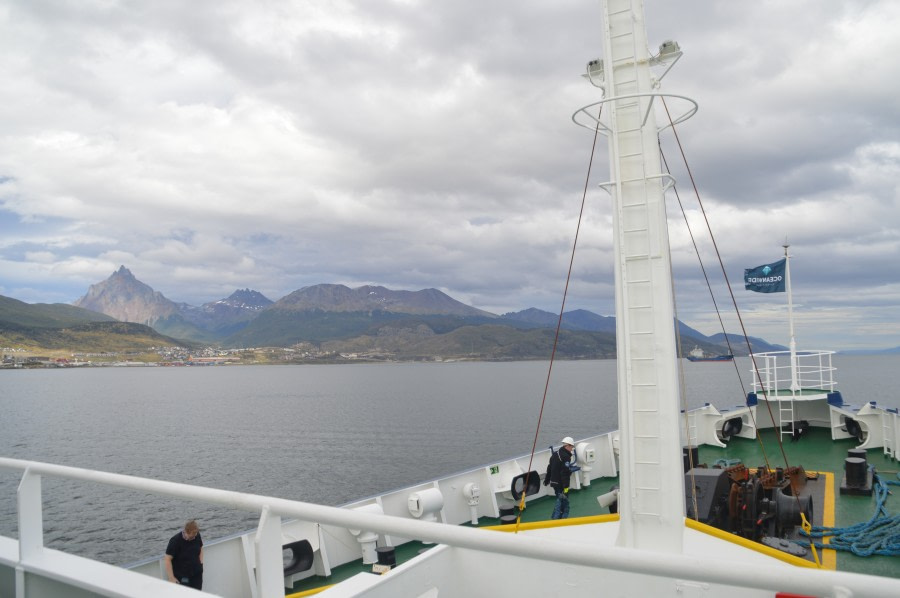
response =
{"points": [[420, 144]]}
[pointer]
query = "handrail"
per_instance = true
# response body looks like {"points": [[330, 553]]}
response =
{"points": [[676, 566], [814, 371]]}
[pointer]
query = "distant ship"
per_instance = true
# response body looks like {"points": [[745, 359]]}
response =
{"points": [[697, 354]]}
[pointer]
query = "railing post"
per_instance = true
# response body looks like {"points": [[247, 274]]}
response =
{"points": [[269, 559], [31, 519]]}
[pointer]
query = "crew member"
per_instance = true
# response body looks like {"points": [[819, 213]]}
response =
{"points": [[558, 476], [184, 557]]}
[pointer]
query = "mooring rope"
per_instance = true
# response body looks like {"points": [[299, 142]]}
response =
{"points": [[879, 535]]}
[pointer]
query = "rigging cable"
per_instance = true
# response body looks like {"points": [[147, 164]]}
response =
{"points": [[733, 299], [737, 311], [681, 379], [718, 315], [559, 320], [708, 284]]}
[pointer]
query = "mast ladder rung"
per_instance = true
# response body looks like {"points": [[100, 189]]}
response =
{"points": [[631, 232], [622, 11], [648, 515]]}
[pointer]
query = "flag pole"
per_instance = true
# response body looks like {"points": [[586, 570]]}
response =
{"points": [[795, 386]]}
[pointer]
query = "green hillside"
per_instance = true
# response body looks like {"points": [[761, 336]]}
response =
{"points": [[504, 342], [61, 327], [95, 337], [283, 328], [486, 341], [46, 315], [176, 326]]}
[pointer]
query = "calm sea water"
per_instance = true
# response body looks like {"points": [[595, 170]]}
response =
{"points": [[326, 434]]}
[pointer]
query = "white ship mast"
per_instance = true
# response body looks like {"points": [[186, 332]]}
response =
{"points": [[651, 499]]}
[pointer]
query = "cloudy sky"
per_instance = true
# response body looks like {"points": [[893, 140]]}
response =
{"points": [[212, 145]]}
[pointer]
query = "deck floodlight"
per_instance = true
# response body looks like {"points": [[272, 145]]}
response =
{"points": [[669, 49], [595, 72], [669, 52]]}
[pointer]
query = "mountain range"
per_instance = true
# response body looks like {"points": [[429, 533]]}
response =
{"points": [[368, 319]]}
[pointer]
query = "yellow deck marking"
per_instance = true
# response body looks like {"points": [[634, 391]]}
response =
{"points": [[829, 556]]}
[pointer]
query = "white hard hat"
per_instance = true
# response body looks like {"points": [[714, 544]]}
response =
{"points": [[568, 440]]}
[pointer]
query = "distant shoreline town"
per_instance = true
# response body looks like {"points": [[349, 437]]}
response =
{"points": [[17, 358]]}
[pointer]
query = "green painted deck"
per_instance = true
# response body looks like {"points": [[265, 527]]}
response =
{"points": [[816, 452]]}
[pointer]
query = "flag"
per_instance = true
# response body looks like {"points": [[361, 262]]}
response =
{"points": [[768, 278]]}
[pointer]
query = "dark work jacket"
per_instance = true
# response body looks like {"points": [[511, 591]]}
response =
{"points": [[185, 555], [558, 470]]}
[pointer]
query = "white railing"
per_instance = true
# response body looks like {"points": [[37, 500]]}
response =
{"points": [[546, 550], [814, 371]]}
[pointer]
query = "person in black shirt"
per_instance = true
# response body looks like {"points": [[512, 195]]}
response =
{"points": [[184, 557], [558, 476]]}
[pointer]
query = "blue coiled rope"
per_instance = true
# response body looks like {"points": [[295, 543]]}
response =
{"points": [[879, 535]]}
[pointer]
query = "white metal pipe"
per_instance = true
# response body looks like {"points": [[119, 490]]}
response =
{"points": [[675, 566], [792, 345]]}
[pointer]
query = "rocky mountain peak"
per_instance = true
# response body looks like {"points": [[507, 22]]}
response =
{"points": [[123, 272], [125, 298], [243, 299]]}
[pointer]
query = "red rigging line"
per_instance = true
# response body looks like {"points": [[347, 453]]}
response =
{"points": [[562, 309]]}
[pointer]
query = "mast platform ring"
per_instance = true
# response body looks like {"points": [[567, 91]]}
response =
{"points": [[583, 118], [668, 181]]}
